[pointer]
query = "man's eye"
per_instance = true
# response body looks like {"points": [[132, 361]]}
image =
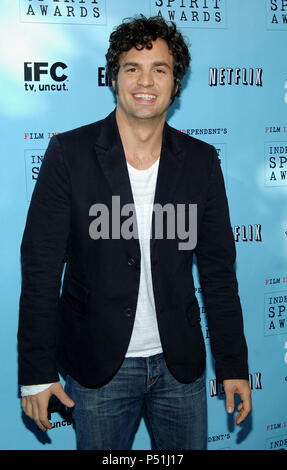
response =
{"points": [[159, 71], [132, 69]]}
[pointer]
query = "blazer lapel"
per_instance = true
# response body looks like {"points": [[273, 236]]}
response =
{"points": [[110, 154], [170, 165]]}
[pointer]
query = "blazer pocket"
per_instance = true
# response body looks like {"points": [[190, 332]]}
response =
{"points": [[76, 291], [193, 313]]}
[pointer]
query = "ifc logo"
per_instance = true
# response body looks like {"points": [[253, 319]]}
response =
{"points": [[53, 76]]}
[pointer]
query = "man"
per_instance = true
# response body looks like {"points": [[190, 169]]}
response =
{"points": [[126, 326]]}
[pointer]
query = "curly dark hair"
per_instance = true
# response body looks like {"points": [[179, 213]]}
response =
{"points": [[139, 32]]}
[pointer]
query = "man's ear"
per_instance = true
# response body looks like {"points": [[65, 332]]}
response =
{"points": [[115, 87], [175, 89]]}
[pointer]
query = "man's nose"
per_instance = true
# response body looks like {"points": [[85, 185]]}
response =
{"points": [[145, 78]]}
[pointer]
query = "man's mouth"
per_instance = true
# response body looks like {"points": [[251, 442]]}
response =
{"points": [[144, 97]]}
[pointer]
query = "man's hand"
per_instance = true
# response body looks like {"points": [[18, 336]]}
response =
{"points": [[242, 388], [36, 406]]}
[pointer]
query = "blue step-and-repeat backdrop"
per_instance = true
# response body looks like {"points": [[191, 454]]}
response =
{"points": [[235, 97]]}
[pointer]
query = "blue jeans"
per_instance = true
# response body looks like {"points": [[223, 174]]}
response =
{"points": [[107, 418]]}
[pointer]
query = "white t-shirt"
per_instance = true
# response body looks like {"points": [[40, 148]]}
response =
{"points": [[145, 339]]}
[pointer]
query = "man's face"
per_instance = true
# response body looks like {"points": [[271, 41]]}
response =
{"points": [[145, 81]]}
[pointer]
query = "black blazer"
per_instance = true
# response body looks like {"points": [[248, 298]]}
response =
{"points": [[85, 327]]}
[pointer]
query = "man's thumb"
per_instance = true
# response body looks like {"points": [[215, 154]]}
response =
{"points": [[63, 397], [229, 402]]}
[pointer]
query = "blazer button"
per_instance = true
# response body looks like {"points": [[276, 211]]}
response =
{"points": [[131, 261], [128, 312]]}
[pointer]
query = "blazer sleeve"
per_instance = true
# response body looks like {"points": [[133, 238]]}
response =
{"points": [[215, 253], [43, 251]]}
